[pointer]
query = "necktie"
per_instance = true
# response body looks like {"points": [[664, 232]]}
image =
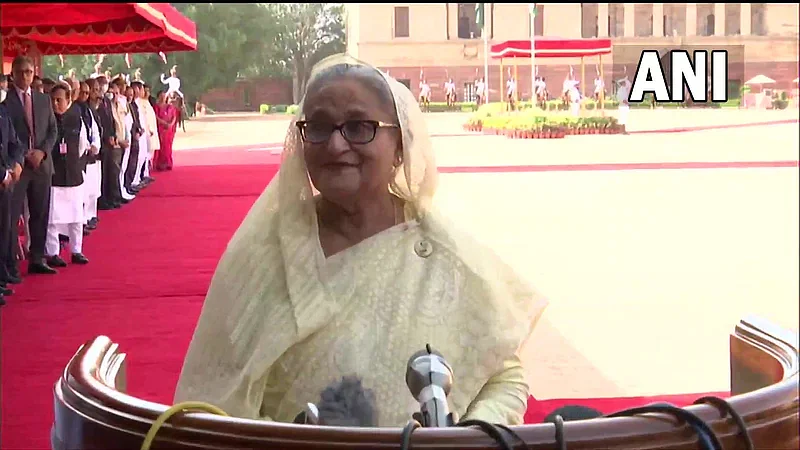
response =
{"points": [[29, 116]]}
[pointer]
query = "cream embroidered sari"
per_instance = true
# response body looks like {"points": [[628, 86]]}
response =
{"points": [[281, 322]]}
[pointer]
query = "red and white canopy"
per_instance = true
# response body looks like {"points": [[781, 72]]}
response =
{"points": [[547, 47], [95, 28]]}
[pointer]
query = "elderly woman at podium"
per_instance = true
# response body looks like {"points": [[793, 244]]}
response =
{"points": [[343, 267]]}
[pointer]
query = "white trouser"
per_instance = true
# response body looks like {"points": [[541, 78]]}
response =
{"points": [[623, 114], [92, 189], [144, 150], [126, 155], [73, 230]]}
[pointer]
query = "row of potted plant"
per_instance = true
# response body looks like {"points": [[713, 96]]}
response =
{"points": [[531, 126]]}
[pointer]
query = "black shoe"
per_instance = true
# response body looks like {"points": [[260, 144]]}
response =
{"points": [[92, 223], [41, 268], [105, 206], [56, 261], [14, 279], [6, 291], [78, 258], [63, 238], [86, 231], [2, 301], [117, 205]]}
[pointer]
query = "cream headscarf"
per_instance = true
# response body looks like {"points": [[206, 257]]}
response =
{"points": [[268, 293]]}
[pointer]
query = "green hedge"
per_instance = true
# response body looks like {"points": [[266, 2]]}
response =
{"points": [[459, 106], [277, 109]]}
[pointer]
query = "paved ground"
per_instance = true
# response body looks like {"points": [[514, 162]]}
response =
{"points": [[647, 271], [250, 129]]}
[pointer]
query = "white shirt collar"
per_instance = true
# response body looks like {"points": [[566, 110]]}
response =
{"points": [[21, 92]]}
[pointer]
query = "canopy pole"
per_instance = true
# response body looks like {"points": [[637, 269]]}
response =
{"points": [[603, 90], [502, 99], [516, 83], [583, 84]]}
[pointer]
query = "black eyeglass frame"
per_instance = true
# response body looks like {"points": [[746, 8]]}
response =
{"points": [[376, 124]]}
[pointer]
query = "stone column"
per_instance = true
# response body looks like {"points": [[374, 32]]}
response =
{"points": [[745, 19], [602, 20], [719, 19], [658, 19], [691, 19], [629, 20]]}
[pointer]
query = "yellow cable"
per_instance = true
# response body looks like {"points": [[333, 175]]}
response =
{"points": [[179, 407]]}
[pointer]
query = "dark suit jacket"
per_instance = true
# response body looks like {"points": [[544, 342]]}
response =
{"points": [[44, 123], [11, 150], [68, 168], [107, 127]]}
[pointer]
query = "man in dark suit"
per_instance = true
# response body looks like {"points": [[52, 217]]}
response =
{"points": [[11, 160], [32, 115], [109, 143]]}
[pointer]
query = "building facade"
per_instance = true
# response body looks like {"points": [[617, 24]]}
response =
{"points": [[442, 40]]}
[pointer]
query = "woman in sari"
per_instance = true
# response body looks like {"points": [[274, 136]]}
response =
{"points": [[167, 118], [357, 278]]}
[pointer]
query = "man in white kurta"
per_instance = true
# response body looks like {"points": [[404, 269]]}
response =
{"points": [[92, 179], [148, 141], [66, 193]]}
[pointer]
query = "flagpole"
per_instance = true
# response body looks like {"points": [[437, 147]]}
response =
{"points": [[533, 54]]}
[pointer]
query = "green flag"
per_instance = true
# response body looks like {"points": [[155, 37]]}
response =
{"points": [[480, 18]]}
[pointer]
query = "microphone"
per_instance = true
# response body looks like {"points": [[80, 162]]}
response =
{"points": [[570, 413], [343, 403], [429, 378]]}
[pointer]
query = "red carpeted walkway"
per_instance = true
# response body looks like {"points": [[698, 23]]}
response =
{"points": [[151, 263]]}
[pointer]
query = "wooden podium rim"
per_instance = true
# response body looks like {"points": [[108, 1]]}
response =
{"points": [[92, 384]]}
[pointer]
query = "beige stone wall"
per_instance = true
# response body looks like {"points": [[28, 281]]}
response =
{"points": [[433, 31]]}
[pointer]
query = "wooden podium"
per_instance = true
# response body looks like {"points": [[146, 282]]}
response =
{"points": [[92, 412]]}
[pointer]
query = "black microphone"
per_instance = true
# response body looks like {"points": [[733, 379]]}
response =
{"points": [[570, 413], [343, 403], [429, 378]]}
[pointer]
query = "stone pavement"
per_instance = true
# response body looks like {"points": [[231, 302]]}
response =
{"points": [[269, 129], [647, 271]]}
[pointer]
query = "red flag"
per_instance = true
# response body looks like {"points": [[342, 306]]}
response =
{"points": [[163, 57], [128, 60]]}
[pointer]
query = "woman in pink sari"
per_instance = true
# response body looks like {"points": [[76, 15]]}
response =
{"points": [[167, 118]]}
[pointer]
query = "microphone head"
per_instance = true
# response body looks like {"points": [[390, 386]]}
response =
{"points": [[428, 367], [573, 412], [346, 403]]}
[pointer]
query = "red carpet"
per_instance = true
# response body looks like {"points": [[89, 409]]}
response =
{"points": [[151, 263]]}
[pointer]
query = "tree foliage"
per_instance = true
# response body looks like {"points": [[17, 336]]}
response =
{"points": [[235, 40]]}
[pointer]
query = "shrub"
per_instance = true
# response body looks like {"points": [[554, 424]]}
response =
{"points": [[292, 109], [263, 109]]}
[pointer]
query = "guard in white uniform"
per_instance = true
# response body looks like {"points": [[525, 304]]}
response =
{"points": [[66, 192]]}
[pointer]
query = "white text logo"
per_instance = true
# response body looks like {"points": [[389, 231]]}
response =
{"points": [[686, 75]]}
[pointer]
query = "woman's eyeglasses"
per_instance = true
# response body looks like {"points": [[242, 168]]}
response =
{"points": [[353, 131]]}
